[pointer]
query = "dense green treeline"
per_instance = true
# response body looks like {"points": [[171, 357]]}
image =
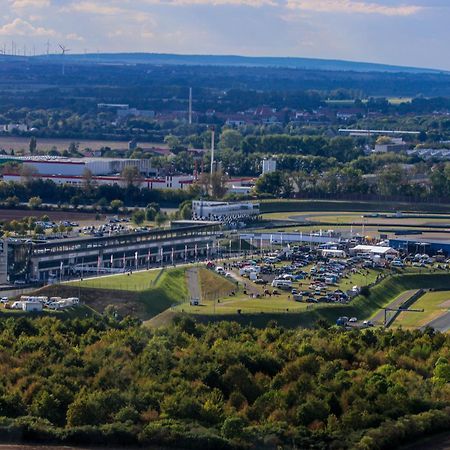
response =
{"points": [[220, 385]]}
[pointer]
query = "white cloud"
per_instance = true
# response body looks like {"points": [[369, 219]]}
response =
{"points": [[252, 3], [22, 4], [352, 7], [20, 27], [74, 37], [94, 8]]}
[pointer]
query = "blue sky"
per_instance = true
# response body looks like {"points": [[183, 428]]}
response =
{"points": [[414, 32]]}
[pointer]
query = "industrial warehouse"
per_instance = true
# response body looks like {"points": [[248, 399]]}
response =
{"points": [[27, 260]]}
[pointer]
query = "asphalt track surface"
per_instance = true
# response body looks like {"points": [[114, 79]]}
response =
{"points": [[397, 303], [442, 323]]}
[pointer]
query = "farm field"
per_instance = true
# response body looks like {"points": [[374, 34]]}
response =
{"points": [[16, 143], [434, 304], [56, 216]]}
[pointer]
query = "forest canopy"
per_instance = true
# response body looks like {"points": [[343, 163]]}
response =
{"points": [[104, 381]]}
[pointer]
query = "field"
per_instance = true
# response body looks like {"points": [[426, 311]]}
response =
{"points": [[216, 298], [15, 143], [56, 216], [429, 226], [136, 282], [300, 206], [143, 295], [434, 305], [361, 307]]}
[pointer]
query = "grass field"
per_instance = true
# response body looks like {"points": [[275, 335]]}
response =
{"points": [[222, 303], [135, 282], [279, 206], [213, 286], [434, 304], [46, 144], [361, 307], [143, 294]]}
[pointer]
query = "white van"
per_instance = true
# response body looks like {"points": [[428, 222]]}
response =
{"points": [[282, 283]]}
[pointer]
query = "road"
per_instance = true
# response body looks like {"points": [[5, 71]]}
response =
{"points": [[193, 283], [397, 303], [441, 323]]}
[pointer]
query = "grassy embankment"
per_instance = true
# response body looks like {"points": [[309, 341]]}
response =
{"points": [[434, 305], [143, 294], [362, 307]]}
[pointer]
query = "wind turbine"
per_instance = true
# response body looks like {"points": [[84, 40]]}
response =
{"points": [[64, 50]]}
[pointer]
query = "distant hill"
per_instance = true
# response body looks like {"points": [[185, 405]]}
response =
{"points": [[232, 60]]}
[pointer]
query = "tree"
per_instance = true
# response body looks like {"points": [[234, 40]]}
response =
{"points": [[186, 211], [271, 183], [12, 201], [116, 205], [160, 219], [88, 181], [150, 213], [28, 173], [230, 139], [35, 202], [138, 216], [33, 145], [130, 175]]}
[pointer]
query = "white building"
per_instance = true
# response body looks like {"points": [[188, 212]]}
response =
{"points": [[222, 211], [169, 182], [269, 165], [77, 166]]}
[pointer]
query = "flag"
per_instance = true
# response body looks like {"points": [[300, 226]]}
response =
{"points": [[196, 250], [172, 255], [124, 260], [112, 259], [136, 256], [61, 266]]}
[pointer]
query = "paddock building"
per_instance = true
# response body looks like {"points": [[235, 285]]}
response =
{"points": [[28, 260]]}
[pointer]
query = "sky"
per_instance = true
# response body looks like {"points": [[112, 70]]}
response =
{"points": [[410, 32]]}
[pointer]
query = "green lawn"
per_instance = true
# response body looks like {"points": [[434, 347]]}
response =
{"points": [[135, 282], [155, 290], [434, 304], [170, 290], [247, 305], [362, 307]]}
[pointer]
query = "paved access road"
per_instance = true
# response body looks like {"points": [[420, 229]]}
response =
{"points": [[397, 303], [441, 324], [193, 283]]}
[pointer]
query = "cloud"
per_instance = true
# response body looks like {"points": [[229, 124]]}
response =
{"points": [[352, 7], [22, 4], [74, 37], [252, 3], [20, 27], [94, 8]]}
